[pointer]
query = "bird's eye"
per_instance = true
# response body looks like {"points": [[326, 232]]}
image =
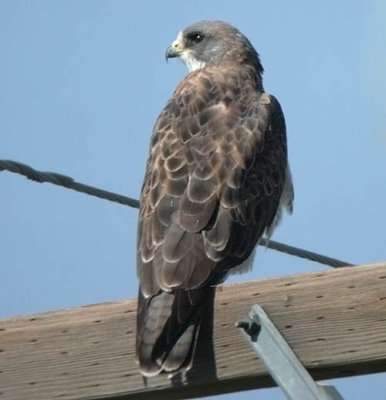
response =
{"points": [[195, 37]]}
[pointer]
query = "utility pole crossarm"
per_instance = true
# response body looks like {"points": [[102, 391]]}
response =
{"points": [[334, 321]]}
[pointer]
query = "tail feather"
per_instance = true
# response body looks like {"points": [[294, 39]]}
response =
{"points": [[180, 356], [167, 328]]}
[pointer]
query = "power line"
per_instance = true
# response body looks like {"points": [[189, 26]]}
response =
{"points": [[308, 255], [65, 181], [69, 183]]}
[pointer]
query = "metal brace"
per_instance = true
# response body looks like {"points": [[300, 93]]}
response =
{"points": [[282, 363]]}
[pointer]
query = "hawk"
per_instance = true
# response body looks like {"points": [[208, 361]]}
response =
{"points": [[216, 181]]}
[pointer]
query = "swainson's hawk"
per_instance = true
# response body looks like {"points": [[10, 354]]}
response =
{"points": [[216, 181]]}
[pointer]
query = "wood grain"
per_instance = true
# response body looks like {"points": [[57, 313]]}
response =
{"points": [[334, 320]]}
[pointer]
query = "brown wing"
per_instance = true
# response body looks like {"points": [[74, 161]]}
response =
{"points": [[214, 178]]}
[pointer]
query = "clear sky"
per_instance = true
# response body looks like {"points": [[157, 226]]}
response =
{"points": [[81, 84]]}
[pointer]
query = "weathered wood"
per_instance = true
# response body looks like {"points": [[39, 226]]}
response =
{"points": [[334, 320]]}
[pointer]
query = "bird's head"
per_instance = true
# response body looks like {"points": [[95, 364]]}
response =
{"points": [[208, 43]]}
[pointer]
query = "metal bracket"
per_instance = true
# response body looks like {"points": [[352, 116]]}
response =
{"points": [[282, 363]]}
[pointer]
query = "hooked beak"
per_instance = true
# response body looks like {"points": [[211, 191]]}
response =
{"points": [[174, 50]]}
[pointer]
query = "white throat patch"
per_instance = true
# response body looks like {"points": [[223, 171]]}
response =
{"points": [[190, 61]]}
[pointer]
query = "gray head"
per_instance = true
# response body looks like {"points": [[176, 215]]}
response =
{"points": [[208, 43]]}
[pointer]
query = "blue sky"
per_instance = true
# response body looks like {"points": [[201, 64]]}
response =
{"points": [[82, 83]]}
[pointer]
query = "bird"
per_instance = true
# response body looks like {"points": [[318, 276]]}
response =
{"points": [[217, 180]]}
